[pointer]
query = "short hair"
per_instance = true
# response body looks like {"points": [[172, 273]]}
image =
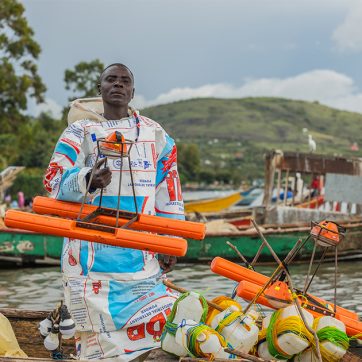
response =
{"points": [[117, 65]]}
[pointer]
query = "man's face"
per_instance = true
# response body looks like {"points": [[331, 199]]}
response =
{"points": [[116, 86]]}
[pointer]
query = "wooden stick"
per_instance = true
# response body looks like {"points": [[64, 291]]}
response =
{"points": [[190, 359], [239, 254], [248, 357], [296, 300], [183, 290]]}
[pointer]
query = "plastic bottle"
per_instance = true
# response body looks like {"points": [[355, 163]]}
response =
{"points": [[237, 328], [289, 342], [189, 306], [208, 341], [336, 351]]}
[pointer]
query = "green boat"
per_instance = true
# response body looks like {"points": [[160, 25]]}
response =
{"points": [[20, 247]]}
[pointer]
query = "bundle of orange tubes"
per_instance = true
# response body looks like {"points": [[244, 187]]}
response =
{"points": [[102, 229], [251, 282], [155, 224]]}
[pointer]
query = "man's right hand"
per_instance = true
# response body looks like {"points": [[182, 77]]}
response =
{"points": [[102, 177]]}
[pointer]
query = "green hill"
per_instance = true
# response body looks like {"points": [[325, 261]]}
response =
{"points": [[266, 122], [231, 135], [246, 128]]}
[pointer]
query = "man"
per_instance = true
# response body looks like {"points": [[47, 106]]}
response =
{"points": [[115, 294]]}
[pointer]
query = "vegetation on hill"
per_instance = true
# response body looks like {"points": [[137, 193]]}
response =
{"points": [[233, 134], [221, 140]]}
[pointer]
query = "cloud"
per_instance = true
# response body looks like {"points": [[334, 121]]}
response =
{"points": [[326, 86], [347, 36]]}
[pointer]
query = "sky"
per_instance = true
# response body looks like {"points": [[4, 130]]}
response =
{"points": [[297, 49]]}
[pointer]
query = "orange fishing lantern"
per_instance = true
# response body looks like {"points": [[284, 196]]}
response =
{"points": [[327, 233], [278, 294], [114, 145]]}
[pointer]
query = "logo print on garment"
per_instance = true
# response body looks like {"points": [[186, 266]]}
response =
{"points": [[71, 259], [49, 176], [146, 164], [118, 162], [96, 286], [170, 160]]}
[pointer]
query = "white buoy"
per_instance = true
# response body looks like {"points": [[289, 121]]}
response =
{"points": [[51, 342], [66, 325], [45, 326]]}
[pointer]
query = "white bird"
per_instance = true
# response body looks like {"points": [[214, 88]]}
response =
{"points": [[312, 144]]}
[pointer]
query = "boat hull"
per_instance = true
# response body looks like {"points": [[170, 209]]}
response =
{"points": [[20, 247]]}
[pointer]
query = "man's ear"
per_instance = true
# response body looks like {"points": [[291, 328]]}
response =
{"points": [[99, 88], [133, 93]]}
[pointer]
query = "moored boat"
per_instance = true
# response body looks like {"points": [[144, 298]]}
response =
{"points": [[25, 325], [213, 205], [19, 247]]}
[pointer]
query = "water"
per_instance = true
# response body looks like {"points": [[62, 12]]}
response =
{"points": [[40, 289]]}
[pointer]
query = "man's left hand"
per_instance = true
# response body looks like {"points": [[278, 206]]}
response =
{"points": [[167, 262]]}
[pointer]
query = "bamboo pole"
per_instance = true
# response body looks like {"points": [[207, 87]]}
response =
{"points": [[296, 300], [241, 256], [194, 359], [183, 290]]}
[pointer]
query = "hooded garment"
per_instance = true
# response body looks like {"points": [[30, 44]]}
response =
{"points": [[115, 295]]}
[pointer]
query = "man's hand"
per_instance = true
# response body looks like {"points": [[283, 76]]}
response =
{"points": [[102, 176], [167, 262]]}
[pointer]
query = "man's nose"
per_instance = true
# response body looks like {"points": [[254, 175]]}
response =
{"points": [[118, 83]]}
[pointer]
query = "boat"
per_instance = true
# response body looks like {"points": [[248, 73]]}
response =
{"points": [[19, 247], [213, 205], [25, 325]]}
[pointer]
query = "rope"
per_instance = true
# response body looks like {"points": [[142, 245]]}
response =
{"points": [[171, 327], [194, 346], [295, 325], [228, 320], [335, 336], [357, 336], [224, 302]]}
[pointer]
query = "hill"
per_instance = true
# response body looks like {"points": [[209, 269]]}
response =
{"points": [[236, 132], [231, 135]]}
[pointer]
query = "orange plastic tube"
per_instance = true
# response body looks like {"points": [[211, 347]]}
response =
{"points": [[238, 273], [151, 223], [247, 291], [118, 237]]}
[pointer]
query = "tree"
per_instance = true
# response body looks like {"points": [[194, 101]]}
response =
{"points": [[19, 76], [83, 79], [188, 161]]}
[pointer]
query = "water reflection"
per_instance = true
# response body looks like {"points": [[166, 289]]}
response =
{"points": [[40, 289]]}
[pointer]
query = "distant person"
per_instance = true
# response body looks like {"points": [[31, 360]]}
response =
{"points": [[7, 200], [116, 295], [316, 186], [21, 199]]}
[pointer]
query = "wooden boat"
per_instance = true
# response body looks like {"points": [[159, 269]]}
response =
{"points": [[213, 205], [21, 247], [25, 325]]}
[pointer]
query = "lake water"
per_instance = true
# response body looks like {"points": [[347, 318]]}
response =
{"points": [[40, 288]]}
